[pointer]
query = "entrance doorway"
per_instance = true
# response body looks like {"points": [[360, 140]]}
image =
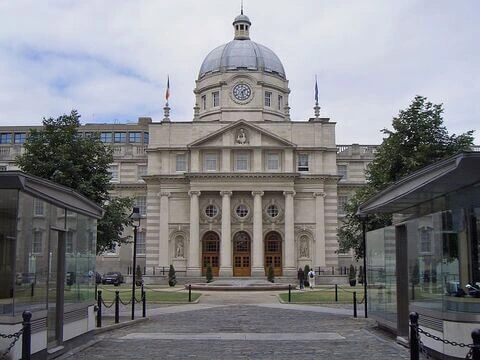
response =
{"points": [[273, 252], [241, 254], [210, 252]]}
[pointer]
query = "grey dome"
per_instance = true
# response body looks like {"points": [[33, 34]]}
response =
{"points": [[241, 54], [242, 18]]}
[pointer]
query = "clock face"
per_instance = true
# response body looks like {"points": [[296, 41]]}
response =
{"points": [[242, 92]]}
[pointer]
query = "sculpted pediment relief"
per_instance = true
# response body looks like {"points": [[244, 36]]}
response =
{"points": [[240, 134]]}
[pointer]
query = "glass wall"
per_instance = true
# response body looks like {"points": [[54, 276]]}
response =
{"points": [[34, 238], [381, 274]]}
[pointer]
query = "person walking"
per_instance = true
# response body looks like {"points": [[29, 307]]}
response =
{"points": [[301, 277], [311, 278]]}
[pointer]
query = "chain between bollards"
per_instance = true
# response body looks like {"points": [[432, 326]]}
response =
{"points": [[189, 292]]}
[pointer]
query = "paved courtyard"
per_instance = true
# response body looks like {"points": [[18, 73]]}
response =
{"points": [[245, 325]]}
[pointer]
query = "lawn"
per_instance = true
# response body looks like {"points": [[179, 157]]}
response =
{"points": [[324, 295], [153, 294]]}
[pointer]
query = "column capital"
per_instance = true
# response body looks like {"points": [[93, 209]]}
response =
{"points": [[257, 193], [319, 193], [164, 193], [194, 193], [226, 193], [289, 192]]}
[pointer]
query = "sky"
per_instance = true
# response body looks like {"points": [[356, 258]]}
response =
{"points": [[109, 59]]}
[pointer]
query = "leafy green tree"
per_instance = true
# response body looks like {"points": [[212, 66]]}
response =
{"points": [[58, 153], [418, 139]]}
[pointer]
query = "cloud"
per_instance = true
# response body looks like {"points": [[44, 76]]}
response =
{"points": [[110, 59]]}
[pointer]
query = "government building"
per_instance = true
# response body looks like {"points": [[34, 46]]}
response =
{"points": [[240, 186]]}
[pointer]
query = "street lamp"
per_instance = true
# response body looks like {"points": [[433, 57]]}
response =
{"points": [[363, 218], [135, 216]]}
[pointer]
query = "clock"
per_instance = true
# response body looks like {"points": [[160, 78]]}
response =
{"points": [[241, 92]]}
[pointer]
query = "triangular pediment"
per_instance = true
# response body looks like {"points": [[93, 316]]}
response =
{"points": [[241, 133]]}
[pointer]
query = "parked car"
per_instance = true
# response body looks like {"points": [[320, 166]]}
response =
{"points": [[98, 278], [112, 277]]}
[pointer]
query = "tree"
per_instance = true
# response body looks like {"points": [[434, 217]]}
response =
{"points": [[418, 139], [58, 153], [172, 278]]}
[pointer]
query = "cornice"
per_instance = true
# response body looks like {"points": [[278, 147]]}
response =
{"points": [[142, 186], [239, 176]]}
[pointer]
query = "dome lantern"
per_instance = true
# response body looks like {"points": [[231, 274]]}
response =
{"points": [[241, 26]]}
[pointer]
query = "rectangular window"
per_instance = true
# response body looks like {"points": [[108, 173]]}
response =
{"points": [[268, 98], [5, 138], [342, 170], [113, 170], [38, 207], [181, 162], [141, 203], [37, 242], [216, 98], [106, 137], [242, 160], [426, 240], [145, 137], [19, 138], [303, 162], [341, 202], [134, 137], [204, 102], [211, 162], [141, 171], [69, 242], [280, 102], [120, 137], [3, 167], [273, 161], [141, 246]]}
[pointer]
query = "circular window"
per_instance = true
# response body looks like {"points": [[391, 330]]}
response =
{"points": [[272, 210], [211, 211], [241, 210]]}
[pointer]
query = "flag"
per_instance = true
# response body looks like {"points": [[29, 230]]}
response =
{"points": [[316, 90], [167, 92]]}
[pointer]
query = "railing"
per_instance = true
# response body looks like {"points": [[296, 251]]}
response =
{"points": [[417, 346], [116, 302], [25, 332]]}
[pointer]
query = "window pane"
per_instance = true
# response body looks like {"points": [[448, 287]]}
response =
{"points": [[113, 170], [268, 98], [20, 138], [5, 138], [273, 161], [211, 162], [141, 247], [242, 161], [141, 203], [303, 162], [135, 137], [145, 138], [120, 137], [342, 171], [141, 171], [106, 137], [216, 98], [181, 162]]}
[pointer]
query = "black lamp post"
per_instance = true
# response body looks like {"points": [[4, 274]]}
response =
{"points": [[363, 218], [136, 223]]}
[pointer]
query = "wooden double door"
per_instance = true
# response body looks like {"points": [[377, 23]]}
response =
{"points": [[273, 252], [211, 252], [242, 254]]}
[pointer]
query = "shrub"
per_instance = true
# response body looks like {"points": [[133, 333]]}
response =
{"points": [[209, 274], [360, 275], [271, 274], [172, 279], [138, 276]]}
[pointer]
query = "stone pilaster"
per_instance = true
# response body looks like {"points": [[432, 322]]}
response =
{"points": [[226, 242], [163, 255], [289, 268], [319, 256], [193, 268], [258, 255]]}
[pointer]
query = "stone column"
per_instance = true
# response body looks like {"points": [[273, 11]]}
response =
{"points": [[163, 256], [258, 258], [318, 258], [193, 268], [289, 268], [226, 242]]}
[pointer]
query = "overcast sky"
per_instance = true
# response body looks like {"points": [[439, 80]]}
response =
{"points": [[110, 59]]}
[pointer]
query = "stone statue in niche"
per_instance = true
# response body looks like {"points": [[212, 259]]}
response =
{"points": [[241, 137], [303, 246], [179, 248]]}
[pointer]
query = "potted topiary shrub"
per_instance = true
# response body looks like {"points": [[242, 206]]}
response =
{"points": [[271, 274], [352, 276], [172, 279], [360, 275], [138, 276], [209, 274]]}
